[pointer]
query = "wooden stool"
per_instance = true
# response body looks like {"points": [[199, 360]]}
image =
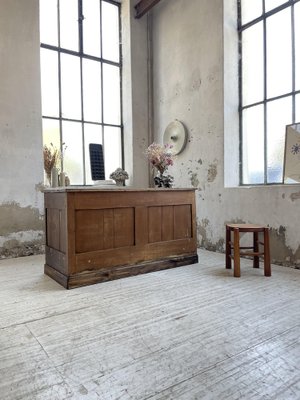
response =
{"points": [[235, 246]]}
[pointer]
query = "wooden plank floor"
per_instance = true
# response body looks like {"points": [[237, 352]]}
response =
{"points": [[192, 332]]}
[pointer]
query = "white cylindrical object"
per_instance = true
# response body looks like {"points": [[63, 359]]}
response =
{"points": [[62, 179], [54, 177]]}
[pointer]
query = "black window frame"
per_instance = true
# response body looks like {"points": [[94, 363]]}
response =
{"points": [[241, 28], [81, 55]]}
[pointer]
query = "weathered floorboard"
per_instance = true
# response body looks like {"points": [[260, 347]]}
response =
{"points": [[187, 333]]}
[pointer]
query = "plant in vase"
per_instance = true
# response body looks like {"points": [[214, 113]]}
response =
{"points": [[160, 158], [119, 176], [51, 156], [52, 160]]}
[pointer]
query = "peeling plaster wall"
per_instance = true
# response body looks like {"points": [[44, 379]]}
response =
{"points": [[21, 202], [188, 85]]}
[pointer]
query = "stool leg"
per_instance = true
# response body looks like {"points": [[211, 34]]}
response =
{"points": [[237, 269], [255, 248], [228, 248], [267, 261]]}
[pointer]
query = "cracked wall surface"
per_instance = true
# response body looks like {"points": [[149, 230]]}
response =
{"points": [[21, 231], [21, 200], [188, 85]]}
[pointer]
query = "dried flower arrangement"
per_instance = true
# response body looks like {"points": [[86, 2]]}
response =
{"points": [[51, 157], [160, 156]]}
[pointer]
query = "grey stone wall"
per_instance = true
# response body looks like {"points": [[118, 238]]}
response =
{"points": [[21, 176], [194, 83], [173, 68]]}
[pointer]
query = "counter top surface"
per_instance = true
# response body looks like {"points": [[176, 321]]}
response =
{"points": [[99, 188]]}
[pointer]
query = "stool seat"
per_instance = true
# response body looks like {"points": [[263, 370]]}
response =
{"points": [[247, 227], [255, 250]]}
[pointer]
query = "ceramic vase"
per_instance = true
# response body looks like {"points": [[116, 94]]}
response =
{"points": [[54, 177]]}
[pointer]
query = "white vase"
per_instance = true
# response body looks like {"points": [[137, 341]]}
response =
{"points": [[62, 179], [54, 177]]}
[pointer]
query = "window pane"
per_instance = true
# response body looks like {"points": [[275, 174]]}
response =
{"points": [[51, 132], [279, 114], [91, 27], [110, 31], [253, 145], [84, 90], [69, 24], [51, 136], [279, 54], [111, 94], [91, 90], [92, 134], [297, 116], [70, 86], [49, 83], [250, 10], [48, 22], [112, 149], [253, 64], [297, 44], [73, 159], [271, 4]]}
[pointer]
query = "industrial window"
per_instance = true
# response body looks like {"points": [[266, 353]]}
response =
{"points": [[269, 85], [81, 82]]}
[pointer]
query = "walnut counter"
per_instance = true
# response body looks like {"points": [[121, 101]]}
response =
{"points": [[95, 235]]}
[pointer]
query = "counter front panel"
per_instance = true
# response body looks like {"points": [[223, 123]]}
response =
{"points": [[99, 235]]}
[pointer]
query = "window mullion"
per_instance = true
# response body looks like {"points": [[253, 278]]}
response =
{"points": [[101, 78], [265, 97], [80, 36], [59, 84], [82, 121], [121, 92], [293, 63], [80, 29], [240, 53]]}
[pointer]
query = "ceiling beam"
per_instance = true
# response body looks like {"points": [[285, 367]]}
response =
{"points": [[143, 6]]}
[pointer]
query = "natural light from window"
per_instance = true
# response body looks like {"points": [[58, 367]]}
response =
{"points": [[81, 82], [269, 85]]}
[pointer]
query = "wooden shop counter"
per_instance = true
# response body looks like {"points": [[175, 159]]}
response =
{"points": [[95, 234]]}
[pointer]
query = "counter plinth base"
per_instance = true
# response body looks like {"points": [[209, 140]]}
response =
{"points": [[124, 271]]}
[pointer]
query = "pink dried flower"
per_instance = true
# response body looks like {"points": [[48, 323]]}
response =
{"points": [[160, 156]]}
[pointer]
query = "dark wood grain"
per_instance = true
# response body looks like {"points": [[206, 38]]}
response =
{"points": [[102, 232], [182, 221], [143, 6], [167, 223], [89, 230], [91, 277], [53, 228], [108, 228], [154, 224], [141, 225], [123, 227]]}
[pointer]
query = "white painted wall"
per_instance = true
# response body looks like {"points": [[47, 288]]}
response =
{"points": [[194, 82], [136, 106], [188, 84], [21, 202]]}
